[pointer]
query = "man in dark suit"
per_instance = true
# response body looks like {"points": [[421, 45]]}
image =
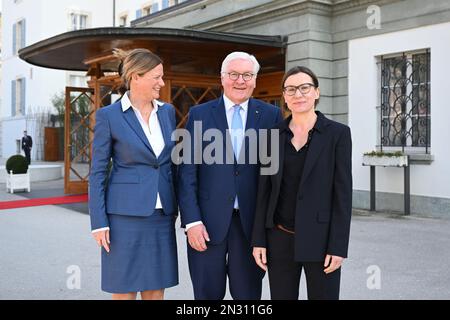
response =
{"points": [[27, 144], [217, 200]]}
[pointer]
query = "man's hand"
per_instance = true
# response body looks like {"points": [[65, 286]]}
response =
{"points": [[197, 235], [332, 263], [102, 238], [260, 257]]}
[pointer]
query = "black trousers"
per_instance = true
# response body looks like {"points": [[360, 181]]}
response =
{"points": [[284, 272], [27, 154]]}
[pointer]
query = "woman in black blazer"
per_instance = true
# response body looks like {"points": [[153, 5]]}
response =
{"points": [[303, 210]]}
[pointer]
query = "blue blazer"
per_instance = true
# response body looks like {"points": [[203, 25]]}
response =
{"points": [[207, 191], [137, 175]]}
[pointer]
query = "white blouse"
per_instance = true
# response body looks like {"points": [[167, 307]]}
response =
{"points": [[152, 130]]}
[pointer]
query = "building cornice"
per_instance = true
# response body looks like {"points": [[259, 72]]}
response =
{"points": [[348, 6], [171, 12], [265, 12], [259, 14]]}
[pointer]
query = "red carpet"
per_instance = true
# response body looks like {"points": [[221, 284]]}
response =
{"points": [[43, 201]]}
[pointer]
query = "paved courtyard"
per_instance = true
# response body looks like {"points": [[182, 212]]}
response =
{"points": [[48, 252]]}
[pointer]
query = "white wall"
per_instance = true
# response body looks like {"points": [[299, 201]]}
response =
{"points": [[427, 180], [129, 8], [44, 19], [12, 130]]}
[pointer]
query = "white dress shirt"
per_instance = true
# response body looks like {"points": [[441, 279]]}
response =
{"points": [[229, 111], [152, 131]]}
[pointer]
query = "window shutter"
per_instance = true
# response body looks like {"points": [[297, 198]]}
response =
{"points": [[13, 98], [73, 22], [165, 3], [14, 39], [138, 13], [22, 96], [22, 34], [155, 7]]}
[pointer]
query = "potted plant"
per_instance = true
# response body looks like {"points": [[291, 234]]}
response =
{"points": [[385, 159], [18, 176]]}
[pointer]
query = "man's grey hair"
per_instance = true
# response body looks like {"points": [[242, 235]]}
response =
{"points": [[240, 55]]}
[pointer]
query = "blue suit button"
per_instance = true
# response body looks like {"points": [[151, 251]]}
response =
{"points": [[156, 166]]}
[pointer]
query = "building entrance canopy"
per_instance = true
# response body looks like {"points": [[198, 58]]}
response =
{"points": [[192, 61], [182, 50]]}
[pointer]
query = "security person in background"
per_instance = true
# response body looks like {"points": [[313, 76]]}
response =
{"points": [[27, 144]]}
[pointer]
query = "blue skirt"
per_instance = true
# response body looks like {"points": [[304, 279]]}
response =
{"points": [[143, 254]]}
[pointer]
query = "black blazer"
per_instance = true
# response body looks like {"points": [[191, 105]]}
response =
{"points": [[324, 196], [27, 142]]}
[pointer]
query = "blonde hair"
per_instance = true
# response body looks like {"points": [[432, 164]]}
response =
{"points": [[138, 61]]}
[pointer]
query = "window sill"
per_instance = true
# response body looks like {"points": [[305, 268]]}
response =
{"points": [[421, 158]]}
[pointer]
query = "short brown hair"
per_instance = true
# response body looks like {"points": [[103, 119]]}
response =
{"points": [[138, 61], [301, 69]]}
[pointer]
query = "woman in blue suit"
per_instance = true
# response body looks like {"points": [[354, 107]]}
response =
{"points": [[133, 210]]}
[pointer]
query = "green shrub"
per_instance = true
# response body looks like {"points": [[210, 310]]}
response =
{"points": [[17, 164], [384, 154]]}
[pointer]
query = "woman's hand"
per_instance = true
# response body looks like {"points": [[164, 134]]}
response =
{"points": [[102, 238], [260, 257]]}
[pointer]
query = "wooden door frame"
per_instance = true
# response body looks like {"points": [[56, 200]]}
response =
{"points": [[72, 186]]}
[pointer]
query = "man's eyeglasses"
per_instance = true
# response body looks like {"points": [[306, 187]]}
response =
{"points": [[247, 76], [303, 88]]}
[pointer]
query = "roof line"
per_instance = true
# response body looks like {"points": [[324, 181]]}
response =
{"points": [[111, 36], [273, 41]]}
